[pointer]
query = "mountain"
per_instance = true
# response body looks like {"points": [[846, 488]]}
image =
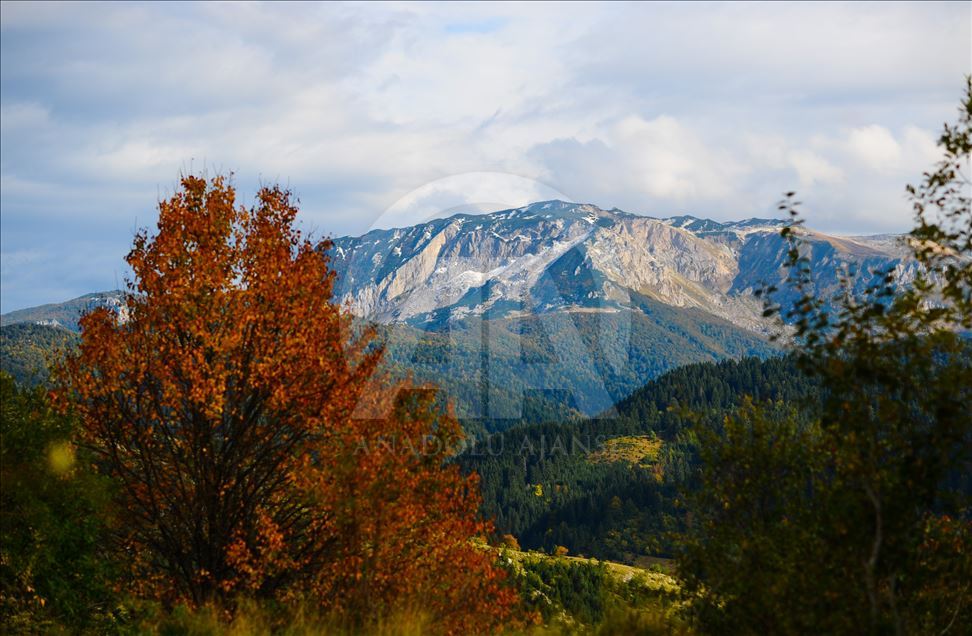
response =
{"points": [[576, 305], [554, 256], [66, 314], [31, 338], [556, 311]]}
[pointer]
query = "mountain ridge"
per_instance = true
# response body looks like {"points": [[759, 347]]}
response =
{"points": [[406, 274], [66, 314], [554, 309], [559, 256]]}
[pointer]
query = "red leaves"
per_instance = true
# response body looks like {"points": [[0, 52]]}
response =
{"points": [[223, 408]]}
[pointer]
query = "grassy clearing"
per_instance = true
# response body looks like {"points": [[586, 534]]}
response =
{"points": [[640, 450], [654, 579], [581, 595]]}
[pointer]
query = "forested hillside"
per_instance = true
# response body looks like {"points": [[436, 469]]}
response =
{"points": [[553, 367], [500, 372], [27, 349], [608, 487]]}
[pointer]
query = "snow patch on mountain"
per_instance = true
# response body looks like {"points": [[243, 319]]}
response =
{"points": [[555, 256]]}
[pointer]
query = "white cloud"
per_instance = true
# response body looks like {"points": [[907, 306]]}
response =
{"points": [[468, 193], [874, 147], [812, 169], [666, 160], [919, 147], [710, 109]]}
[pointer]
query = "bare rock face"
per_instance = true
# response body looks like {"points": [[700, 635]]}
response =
{"points": [[556, 256]]}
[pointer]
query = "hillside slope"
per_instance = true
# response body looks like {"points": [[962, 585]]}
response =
{"points": [[497, 372], [607, 487], [27, 349]]}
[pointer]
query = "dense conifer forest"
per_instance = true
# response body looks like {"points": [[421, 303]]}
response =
{"points": [[545, 485]]}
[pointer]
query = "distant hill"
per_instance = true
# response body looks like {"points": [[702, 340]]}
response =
{"points": [[66, 314], [498, 372], [26, 349], [505, 371]]}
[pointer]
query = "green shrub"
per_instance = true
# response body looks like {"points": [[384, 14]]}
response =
{"points": [[53, 576]]}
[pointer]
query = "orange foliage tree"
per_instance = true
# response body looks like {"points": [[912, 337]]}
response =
{"points": [[221, 399]]}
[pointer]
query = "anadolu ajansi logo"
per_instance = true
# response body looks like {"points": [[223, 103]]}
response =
{"points": [[480, 193]]}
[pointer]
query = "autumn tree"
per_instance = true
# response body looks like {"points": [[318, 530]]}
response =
{"points": [[221, 400], [404, 530], [853, 516]]}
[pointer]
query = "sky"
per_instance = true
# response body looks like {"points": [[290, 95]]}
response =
{"points": [[380, 115]]}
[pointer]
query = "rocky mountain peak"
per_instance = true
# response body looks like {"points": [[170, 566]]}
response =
{"points": [[563, 256]]}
